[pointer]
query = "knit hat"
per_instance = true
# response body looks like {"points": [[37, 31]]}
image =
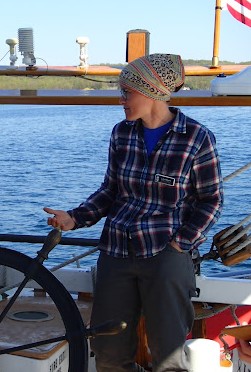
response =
{"points": [[155, 76]]}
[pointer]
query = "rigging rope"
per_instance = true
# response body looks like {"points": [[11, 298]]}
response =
{"points": [[237, 172], [240, 224], [238, 236], [235, 227]]}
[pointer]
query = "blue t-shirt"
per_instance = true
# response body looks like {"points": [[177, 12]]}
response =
{"points": [[152, 136]]}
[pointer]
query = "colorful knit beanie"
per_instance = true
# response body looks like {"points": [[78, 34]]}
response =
{"points": [[155, 76]]}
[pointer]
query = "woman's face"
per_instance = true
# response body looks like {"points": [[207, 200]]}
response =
{"points": [[136, 105]]}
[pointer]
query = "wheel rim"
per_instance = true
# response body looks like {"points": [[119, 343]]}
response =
{"points": [[74, 326]]}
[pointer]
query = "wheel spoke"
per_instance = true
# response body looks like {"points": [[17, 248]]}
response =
{"points": [[32, 344], [13, 299]]}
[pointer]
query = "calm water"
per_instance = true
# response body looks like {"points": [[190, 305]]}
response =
{"points": [[56, 156]]}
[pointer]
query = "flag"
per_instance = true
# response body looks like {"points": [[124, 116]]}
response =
{"points": [[240, 10], [223, 4]]}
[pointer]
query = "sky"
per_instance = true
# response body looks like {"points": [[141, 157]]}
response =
{"points": [[184, 27]]}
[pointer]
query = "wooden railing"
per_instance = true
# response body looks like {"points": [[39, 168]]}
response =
{"points": [[111, 97]]}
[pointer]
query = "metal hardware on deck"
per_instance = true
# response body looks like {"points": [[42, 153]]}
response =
{"points": [[232, 244], [108, 328]]}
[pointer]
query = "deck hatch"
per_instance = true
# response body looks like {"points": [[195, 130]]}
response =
{"points": [[30, 316]]}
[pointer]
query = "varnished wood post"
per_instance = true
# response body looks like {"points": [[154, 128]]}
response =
{"points": [[137, 44], [215, 59], [199, 328]]}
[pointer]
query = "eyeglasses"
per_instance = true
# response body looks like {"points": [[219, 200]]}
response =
{"points": [[124, 94]]}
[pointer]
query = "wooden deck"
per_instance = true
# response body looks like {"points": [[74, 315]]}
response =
{"points": [[18, 332]]}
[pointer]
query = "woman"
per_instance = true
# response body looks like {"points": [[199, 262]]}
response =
{"points": [[161, 194], [244, 351]]}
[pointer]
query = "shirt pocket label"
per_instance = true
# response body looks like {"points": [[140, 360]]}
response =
{"points": [[169, 181]]}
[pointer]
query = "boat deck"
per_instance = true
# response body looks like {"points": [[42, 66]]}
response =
{"points": [[19, 332]]}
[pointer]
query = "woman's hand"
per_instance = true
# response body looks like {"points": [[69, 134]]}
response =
{"points": [[61, 219], [176, 246], [244, 351]]}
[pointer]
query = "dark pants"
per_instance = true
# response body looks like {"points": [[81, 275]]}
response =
{"points": [[161, 287]]}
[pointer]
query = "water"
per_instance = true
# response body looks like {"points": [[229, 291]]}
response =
{"points": [[56, 156]]}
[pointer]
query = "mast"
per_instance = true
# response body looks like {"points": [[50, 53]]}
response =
{"points": [[215, 59]]}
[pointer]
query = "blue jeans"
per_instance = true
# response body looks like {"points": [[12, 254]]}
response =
{"points": [[161, 287]]}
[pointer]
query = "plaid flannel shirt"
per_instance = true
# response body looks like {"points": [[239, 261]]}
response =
{"points": [[175, 193]]}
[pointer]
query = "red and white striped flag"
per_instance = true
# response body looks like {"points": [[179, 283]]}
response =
{"points": [[240, 10]]}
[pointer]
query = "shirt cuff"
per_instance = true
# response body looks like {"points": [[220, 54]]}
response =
{"points": [[77, 225]]}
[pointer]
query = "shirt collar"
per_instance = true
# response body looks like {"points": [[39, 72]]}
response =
{"points": [[179, 123]]}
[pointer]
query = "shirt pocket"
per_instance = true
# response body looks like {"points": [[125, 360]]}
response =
{"points": [[169, 190]]}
